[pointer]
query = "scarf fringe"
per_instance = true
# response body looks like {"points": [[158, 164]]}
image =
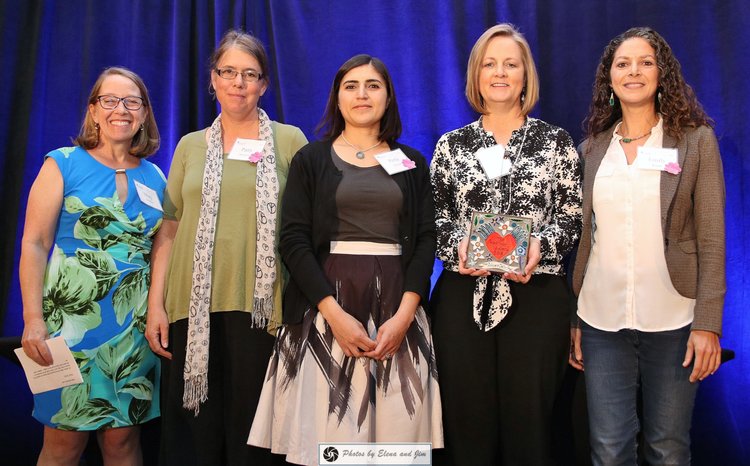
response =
{"points": [[195, 393], [195, 371], [262, 312]]}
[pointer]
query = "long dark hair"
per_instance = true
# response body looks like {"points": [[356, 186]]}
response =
{"points": [[332, 123], [677, 104]]}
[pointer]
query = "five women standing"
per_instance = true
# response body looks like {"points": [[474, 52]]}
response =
{"points": [[354, 360]]}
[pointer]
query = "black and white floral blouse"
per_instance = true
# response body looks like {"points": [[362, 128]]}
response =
{"points": [[545, 184]]}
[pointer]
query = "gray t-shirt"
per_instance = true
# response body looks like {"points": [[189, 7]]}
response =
{"points": [[368, 202]]}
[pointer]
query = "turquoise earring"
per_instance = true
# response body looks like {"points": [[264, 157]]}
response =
{"points": [[611, 99]]}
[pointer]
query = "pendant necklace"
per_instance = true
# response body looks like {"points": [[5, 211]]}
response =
{"points": [[627, 140], [360, 154]]}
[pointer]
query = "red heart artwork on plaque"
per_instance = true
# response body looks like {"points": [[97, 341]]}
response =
{"points": [[500, 246]]}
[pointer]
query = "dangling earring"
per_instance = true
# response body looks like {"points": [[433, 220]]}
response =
{"points": [[658, 97], [523, 96], [611, 99], [141, 127]]}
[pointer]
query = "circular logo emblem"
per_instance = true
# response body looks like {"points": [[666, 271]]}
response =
{"points": [[330, 454]]}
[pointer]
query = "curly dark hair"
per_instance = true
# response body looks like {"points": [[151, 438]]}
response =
{"points": [[677, 105]]}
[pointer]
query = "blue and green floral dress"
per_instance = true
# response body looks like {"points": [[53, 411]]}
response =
{"points": [[95, 291]]}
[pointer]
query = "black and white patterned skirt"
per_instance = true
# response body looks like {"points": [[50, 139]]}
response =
{"points": [[314, 393]]}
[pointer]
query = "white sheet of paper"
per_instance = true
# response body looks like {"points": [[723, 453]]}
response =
{"points": [[493, 161], [655, 158], [148, 196], [62, 372], [395, 161], [244, 148]]}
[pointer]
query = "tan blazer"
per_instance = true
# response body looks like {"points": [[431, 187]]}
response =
{"points": [[692, 220]]}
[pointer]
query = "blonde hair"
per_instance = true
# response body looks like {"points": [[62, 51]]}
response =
{"points": [[531, 87]]}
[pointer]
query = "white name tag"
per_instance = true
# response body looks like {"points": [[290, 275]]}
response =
{"points": [[148, 196], [247, 150], [395, 161], [493, 161], [655, 158]]}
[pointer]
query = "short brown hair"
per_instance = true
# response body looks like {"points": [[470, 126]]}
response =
{"points": [[333, 122], [531, 87], [144, 142], [234, 38]]}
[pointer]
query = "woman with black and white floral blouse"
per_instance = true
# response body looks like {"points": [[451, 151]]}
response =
{"points": [[502, 339]]}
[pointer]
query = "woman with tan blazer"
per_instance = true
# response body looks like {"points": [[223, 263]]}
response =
{"points": [[649, 274]]}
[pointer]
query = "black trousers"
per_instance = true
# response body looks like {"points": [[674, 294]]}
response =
{"points": [[237, 363], [498, 388]]}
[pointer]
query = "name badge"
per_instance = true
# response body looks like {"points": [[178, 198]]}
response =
{"points": [[247, 150], [493, 161], [656, 158], [395, 161], [148, 196]]}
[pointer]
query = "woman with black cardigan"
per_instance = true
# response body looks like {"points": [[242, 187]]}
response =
{"points": [[354, 361]]}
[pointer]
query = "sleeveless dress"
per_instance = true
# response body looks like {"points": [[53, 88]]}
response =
{"points": [[314, 393], [95, 290]]}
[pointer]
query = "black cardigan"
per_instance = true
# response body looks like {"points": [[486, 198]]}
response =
{"points": [[308, 222]]}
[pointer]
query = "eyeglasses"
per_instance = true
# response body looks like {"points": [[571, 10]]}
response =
{"points": [[110, 102], [249, 76]]}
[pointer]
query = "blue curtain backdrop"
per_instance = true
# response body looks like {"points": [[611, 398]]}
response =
{"points": [[52, 51]]}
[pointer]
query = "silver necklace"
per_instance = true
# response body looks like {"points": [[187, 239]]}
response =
{"points": [[513, 158], [360, 153], [516, 153]]}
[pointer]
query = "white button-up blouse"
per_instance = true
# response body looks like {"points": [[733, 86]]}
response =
{"points": [[627, 284]]}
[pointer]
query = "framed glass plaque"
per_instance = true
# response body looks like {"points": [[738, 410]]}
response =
{"points": [[498, 242]]}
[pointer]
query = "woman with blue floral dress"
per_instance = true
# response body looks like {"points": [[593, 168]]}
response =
{"points": [[96, 206]]}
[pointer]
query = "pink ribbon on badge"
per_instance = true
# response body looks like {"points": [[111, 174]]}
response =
{"points": [[255, 157], [673, 168], [408, 163]]}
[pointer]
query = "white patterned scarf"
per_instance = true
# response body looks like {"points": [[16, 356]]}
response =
{"points": [[266, 198]]}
